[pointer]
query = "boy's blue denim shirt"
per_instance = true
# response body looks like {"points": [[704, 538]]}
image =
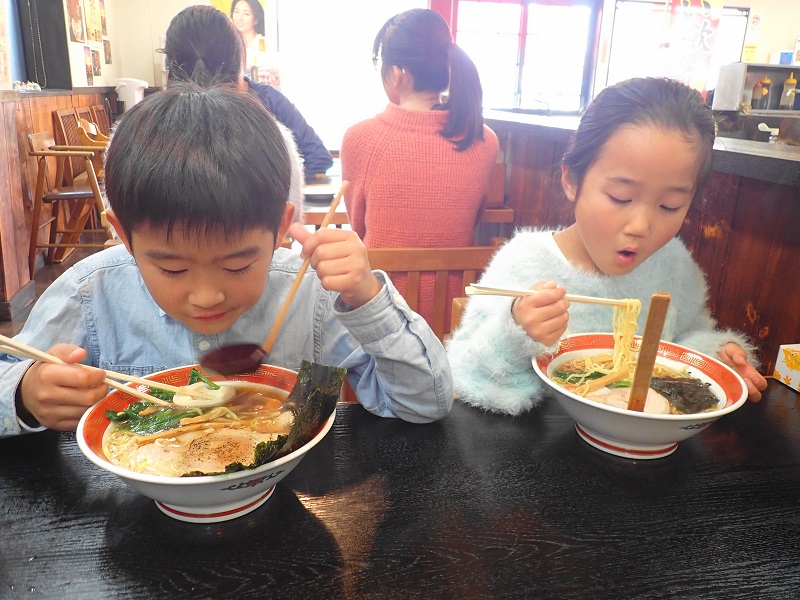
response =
{"points": [[395, 363]]}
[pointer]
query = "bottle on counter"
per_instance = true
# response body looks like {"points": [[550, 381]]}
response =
{"points": [[758, 94], [766, 96], [788, 95]]}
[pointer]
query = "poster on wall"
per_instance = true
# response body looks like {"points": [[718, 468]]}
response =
{"points": [[75, 18], [94, 21], [249, 17], [103, 16], [107, 51], [87, 60], [96, 70], [693, 25]]}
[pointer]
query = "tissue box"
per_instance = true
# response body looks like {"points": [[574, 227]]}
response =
{"points": [[787, 366]]}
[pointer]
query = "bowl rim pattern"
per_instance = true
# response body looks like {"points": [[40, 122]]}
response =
{"points": [[727, 379], [94, 422]]}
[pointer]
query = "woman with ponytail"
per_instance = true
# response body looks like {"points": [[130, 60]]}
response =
{"points": [[203, 45], [419, 171]]}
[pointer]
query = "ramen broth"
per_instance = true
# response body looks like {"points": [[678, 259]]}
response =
{"points": [[671, 391], [205, 441]]}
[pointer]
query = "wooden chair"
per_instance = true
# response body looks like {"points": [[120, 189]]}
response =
{"points": [[497, 216], [459, 304], [468, 262], [102, 117], [90, 134], [90, 137], [84, 112], [71, 205], [68, 138]]}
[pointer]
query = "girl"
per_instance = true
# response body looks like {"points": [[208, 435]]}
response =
{"points": [[419, 171], [641, 154]]}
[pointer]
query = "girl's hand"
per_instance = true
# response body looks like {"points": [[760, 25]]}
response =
{"points": [[341, 262], [543, 316], [58, 395], [736, 358]]}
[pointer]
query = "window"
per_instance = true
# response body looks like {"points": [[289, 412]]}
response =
{"points": [[532, 55], [545, 55], [650, 39], [326, 60]]}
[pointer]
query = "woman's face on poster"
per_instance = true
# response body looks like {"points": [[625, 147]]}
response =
{"points": [[243, 17]]}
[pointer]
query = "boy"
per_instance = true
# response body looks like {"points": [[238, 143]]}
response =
{"points": [[200, 221]]}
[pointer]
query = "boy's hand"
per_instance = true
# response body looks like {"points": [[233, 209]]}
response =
{"points": [[543, 316], [341, 262], [736, 358], [58, 395]]}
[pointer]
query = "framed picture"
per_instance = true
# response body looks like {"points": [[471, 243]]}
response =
{"points": [[75, 19]]}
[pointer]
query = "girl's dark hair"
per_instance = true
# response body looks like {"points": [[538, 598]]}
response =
{"points": [[258, 13], [419, 41], [184, 157], [202, 45], [655, 101]]}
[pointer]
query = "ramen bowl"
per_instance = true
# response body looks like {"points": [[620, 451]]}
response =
{"points": [[633, 434], [200, 499]]}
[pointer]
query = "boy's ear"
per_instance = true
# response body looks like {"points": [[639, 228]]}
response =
{"points": [[112, 218], [569, 185], [286, 220]]}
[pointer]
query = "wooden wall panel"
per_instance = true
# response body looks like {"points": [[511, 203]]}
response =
{"points": [[743, 233], [8, 180]]}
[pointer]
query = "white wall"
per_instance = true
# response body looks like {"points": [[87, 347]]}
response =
{"points": [[780, 25]]}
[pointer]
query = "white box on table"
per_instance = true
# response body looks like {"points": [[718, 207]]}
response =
{"points": [[787, 366]]}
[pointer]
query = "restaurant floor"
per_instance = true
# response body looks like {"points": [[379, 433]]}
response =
{"points": [[43, 278]]}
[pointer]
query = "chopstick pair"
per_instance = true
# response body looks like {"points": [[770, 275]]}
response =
{"points": [[485, 290], [11, 346], [276, 325]]}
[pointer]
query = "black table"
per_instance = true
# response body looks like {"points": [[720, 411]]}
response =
{"points": [[475, 506]]}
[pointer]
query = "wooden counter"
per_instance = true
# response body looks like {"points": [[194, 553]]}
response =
{"points": [[744, 233]]}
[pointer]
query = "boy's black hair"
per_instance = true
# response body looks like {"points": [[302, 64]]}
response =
{"points": [[184, 157]]}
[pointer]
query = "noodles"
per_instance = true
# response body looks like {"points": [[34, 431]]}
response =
{"points": [[200, 441], [612, 368], [606, 378]]}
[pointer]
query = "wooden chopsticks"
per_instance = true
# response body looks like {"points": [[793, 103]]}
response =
{"points": [[11, 346], [651, 337], [485, 290], [276, 325]]}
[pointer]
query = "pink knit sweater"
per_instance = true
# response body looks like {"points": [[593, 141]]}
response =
{"points": [[409, 187]]}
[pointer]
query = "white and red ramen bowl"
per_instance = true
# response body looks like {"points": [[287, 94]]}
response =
{"points": [[633, 434], [203, 499]]}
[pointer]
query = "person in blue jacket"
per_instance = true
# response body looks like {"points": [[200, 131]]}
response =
{"points": [[203, 45], [317, 160]]}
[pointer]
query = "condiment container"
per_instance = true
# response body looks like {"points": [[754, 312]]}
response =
{"points": [[766, 97], [787, 97], [758, 94]]}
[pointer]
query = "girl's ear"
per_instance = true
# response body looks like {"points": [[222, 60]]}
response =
{"points": [[112, 218], [569, 185]]}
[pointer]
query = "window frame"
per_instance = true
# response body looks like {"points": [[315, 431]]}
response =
{"points": [[590, 58]]}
